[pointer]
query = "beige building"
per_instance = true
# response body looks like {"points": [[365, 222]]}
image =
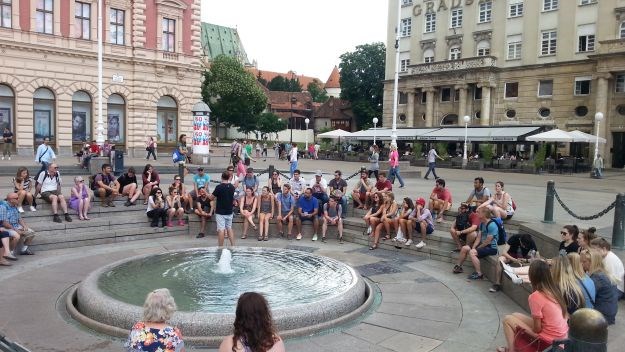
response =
{"points": [[511, 62], [48, 71]]}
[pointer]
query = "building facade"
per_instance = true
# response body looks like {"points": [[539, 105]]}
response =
{"points": [[48, 76], [510, 62]]}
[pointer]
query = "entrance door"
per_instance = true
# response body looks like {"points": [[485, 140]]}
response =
{"points": [[618, 149]]}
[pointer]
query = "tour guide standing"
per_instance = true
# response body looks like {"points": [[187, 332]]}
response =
{"points": [[45, 155], [394, 164], [432, 155], [293, 157], [224, 193]]}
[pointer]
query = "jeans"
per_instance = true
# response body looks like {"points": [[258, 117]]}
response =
{"points": [[375, 172], [293, 167], [44, 166], [432, 169], [151, 152], [394, 172], [344, 206], [323, 199]]}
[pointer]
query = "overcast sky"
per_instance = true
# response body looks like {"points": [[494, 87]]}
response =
{"points": [[306, 36]]}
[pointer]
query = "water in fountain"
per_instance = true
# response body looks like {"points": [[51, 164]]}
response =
{"points": [[223, 266]]}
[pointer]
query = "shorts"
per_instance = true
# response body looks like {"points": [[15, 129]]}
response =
{"points": [[46, 195], [486, 251], [302, 218], [362, 196], [224, 222], [107, 192], [428, 229]]}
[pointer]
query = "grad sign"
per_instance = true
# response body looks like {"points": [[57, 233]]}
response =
{"points": [[439, 5]]}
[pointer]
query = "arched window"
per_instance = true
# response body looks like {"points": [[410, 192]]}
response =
{"points": [[166, 120], [428, 56], [455, 53], [483, 48], [81, 116], [7, 103], [44, 115], [116, 118], [449, 120]]}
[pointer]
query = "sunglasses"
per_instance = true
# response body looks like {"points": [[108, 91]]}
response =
{"points": [[159, 192], [563, 233], [80, 181], [176, 179]]}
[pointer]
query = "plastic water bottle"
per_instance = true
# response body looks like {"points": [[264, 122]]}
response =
{"points": [[532, 254]]}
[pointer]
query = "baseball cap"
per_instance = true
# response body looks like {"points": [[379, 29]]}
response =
{"points": [[421, 201], [318, 173], [79, 178], [297, 193]]}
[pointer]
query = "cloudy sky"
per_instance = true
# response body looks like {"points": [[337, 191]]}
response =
{"points": [[306, 36]]}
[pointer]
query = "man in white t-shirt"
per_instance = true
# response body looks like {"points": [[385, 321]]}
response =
{"points": [[432, 155], [298, 184], [293, 158], [49, 185], [612, 263]]}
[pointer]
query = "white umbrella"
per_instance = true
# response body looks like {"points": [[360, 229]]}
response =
{"points": [[585, 137], [338, 133], [551, 136]]}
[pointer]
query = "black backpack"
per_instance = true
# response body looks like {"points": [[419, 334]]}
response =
{"points": [[462, 221], [502, 236]]}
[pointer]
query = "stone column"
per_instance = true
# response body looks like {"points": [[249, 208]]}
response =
{"points": [[462, 106], [429, 106], [485, 113], [410, 110], [601, 105]]}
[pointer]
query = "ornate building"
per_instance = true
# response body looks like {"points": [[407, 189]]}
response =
{"points": [[511, 62], [48, 80]]}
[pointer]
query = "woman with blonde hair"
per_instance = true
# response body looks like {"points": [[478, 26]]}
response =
{"points": [[584, 238], [80, 199], [564, 277], [606, 300], [153, 333], [585, 282]]}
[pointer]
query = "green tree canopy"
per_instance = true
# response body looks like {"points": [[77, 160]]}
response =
{"points": [[319, 95], [233, 94], [362, 74], [270, 123], [282, 84]]}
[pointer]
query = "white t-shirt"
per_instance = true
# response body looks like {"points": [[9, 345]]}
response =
{"points": [[297, 185], [432, 155], [313, 182], [293, 155], [614, 266], [49, 184]]}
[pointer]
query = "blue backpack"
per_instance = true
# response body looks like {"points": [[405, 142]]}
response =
{"points": [[502, 236]]}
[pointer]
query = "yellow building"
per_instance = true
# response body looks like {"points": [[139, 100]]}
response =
{"points": [[48, 71], [511, 62]]}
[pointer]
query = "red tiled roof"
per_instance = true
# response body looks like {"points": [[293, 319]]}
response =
{"points": [[269, 75], [335, 108], [334, 79], [282, 100]]}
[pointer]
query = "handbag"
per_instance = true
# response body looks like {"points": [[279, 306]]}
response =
{"points": [[524, 342]]}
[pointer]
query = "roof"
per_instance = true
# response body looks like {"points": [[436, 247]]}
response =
{"points": [[480, 134], [384, 134], [335, 108], [334, 81], [219, 40], [269, 75], [282, 100]]}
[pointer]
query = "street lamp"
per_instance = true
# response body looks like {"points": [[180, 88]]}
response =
{"points": [[466, 119], [293, 101], [307, 122], [598, 118], [375, 123]]}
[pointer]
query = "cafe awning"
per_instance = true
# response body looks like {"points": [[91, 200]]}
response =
{"points": [[480, 134], [384, 134]]}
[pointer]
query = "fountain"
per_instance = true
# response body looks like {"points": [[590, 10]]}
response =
{"points": [[307, 293]]}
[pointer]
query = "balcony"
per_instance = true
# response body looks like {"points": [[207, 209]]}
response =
{"points": [[472, 63], [167, 55], [612, 46]]}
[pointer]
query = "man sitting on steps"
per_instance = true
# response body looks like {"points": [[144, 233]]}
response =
{"points": [[106, 186], [128, 186], [464, 228], [483, 246], [49, 185], [12, 222]]}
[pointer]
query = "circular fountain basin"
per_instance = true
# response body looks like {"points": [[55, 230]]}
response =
{"points": [[305, 291]]}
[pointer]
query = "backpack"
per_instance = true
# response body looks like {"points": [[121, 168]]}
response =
{"points": [[58, 182], [502, 236], [92, 183], [176, 156], [462, 221]]}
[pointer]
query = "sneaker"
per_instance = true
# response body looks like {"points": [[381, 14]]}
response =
{"points": [[457, 269], [495, 288], [314, 238], [68, 218], [408, 243], [2, 158], [507, 267], [420, 245], [57, 218], [20, 209], [476, 276], [33, 208], [127, 204], [514, 277], [200, 235], [180, 222], [323, 239], [169, 224], [9, 158], [299, 236], [111, 203]]}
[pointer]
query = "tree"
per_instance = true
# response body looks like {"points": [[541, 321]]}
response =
{"points": [[319, 95], [282, 84], [362, 74], [270, 123], [260, 78], [233, 94]]}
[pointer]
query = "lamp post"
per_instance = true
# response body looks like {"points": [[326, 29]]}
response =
{"points": [[100, 126], [396, 80], [466, 119], [293, 101], [598, 118], [375, 131], [307, 121]]}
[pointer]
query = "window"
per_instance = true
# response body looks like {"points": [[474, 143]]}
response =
{"points": [[5, 13], [549, 5], [582, 85], [511, 113], [445, 94], [455, 53], [622, 30], [169, 35], [403, 98], [514, 47], [549, 43], [166, 120], [81, 116], [545, 88], [619, 83], [581, 111], [587, 2], [515, 9], [483, 48], [477, 93], [82, 23], [511, 90], [424, 97], [485, 11], [544, 112], [428, 56], [457, 95], [586, 38], [116, 107], [430, 22], [456, 18], [403, 65], [116, 19], [45, 16], [405, 27]]}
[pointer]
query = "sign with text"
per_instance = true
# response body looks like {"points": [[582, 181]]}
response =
{"points": [[201, 134]]}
